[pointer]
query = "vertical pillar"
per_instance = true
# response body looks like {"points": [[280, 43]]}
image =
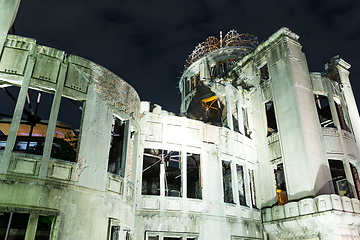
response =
{"points": [[8, 10], [52, 122], [31, 227], [5, 160]]}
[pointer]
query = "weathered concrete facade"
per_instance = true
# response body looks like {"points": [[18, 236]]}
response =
{"points": [[263, 148]]}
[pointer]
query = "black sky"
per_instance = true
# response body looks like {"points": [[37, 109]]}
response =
{"points": [[147, 42]]}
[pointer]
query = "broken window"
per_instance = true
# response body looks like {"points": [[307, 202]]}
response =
{"points": [[281, 192], [227, 182], [67, 131], [14, 225], [356, 178], [8, 95], [192, 83], [264, 73], [246, 122], [170, 163], [116, 163], [271, 118], [241, 184], [252, 187], [324, 111], [232, 62], [213, 71], [194, 183], [341, 185], [342, 118], [187, 87], [235, 116], [222, 66], [115, 232], [197, 77], [211, 108]]}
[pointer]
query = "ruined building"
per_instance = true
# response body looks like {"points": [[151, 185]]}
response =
{"points": [[263, 148]]}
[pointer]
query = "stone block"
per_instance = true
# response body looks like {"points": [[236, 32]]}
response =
{"points": [[24, 166], [323, 203], [356, 205], [266, 214], [346, 202], [278, 212], [150, 203], [173, 205], [307, 206], [291, 209], [195, 206], [336, 202], [61, 172]]}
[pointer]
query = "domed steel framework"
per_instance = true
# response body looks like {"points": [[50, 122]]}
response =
{"points": [[231, 39]]}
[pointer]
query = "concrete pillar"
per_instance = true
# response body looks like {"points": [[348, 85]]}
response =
{"points": [[31, 227], [5, 160], [8, 10], [52, 122]]}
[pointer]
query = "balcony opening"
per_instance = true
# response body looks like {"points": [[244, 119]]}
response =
{"points": [[356, 178], [341, 185], [271, 118], [227, 182], [281, 192], [342, 118], [324, 111], [116, 163], [264, 73], [241, 184], [246, 122], [252, 187], [194, 183]]}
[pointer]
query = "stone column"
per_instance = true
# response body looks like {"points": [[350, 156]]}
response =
{"points": [[8, 10]]}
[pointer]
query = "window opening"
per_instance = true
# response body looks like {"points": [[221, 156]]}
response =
{"points": [[246, 122], [192, 83], [340, 113], [172, 238], [264, 73], [324, 111], [281, 192], [252, 187], [154, 159], [211, 108], [115, 233], [194, 183], [232, 62], [341, 185], [355, 175], [222, 66], [271, 118], [197, 76], [44, 227], [235, 116], [187, 87], [13, 225], [213, 71], [241, 184], [227, 182], [153, 238], [116, 161]]}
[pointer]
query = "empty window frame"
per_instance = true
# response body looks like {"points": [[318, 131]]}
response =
{"points": [[67, 131], [186, 86], [197, 78], [324, 111], [341, 185], [193, 174], [192, 83], [271, 118], [116, 163], [227, 182], [241, 184], [213, 71], [14, 225], [246, 122], [172, 164], [343, 119], [232, 62], [281, 192], [264, 73], [235, 116], [222, 66], [252, 187], [356, 178]]}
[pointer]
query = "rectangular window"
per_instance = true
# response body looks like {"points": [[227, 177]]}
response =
{"points": [[281, 192], [197, 76], [246, 122], [252, 187], [222, 66], [241, 184], [235, 116], [151, 171], [213, 71], [264, 73], [355, 175], [116, 161], [187, 87], [324, 111], [193, 172], [192, 83], [172, 165], [232, 62], [340, 182], [227, 182], [271, 118]]}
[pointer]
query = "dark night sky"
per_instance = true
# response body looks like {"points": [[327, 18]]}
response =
{"points": [[147, 42]]}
